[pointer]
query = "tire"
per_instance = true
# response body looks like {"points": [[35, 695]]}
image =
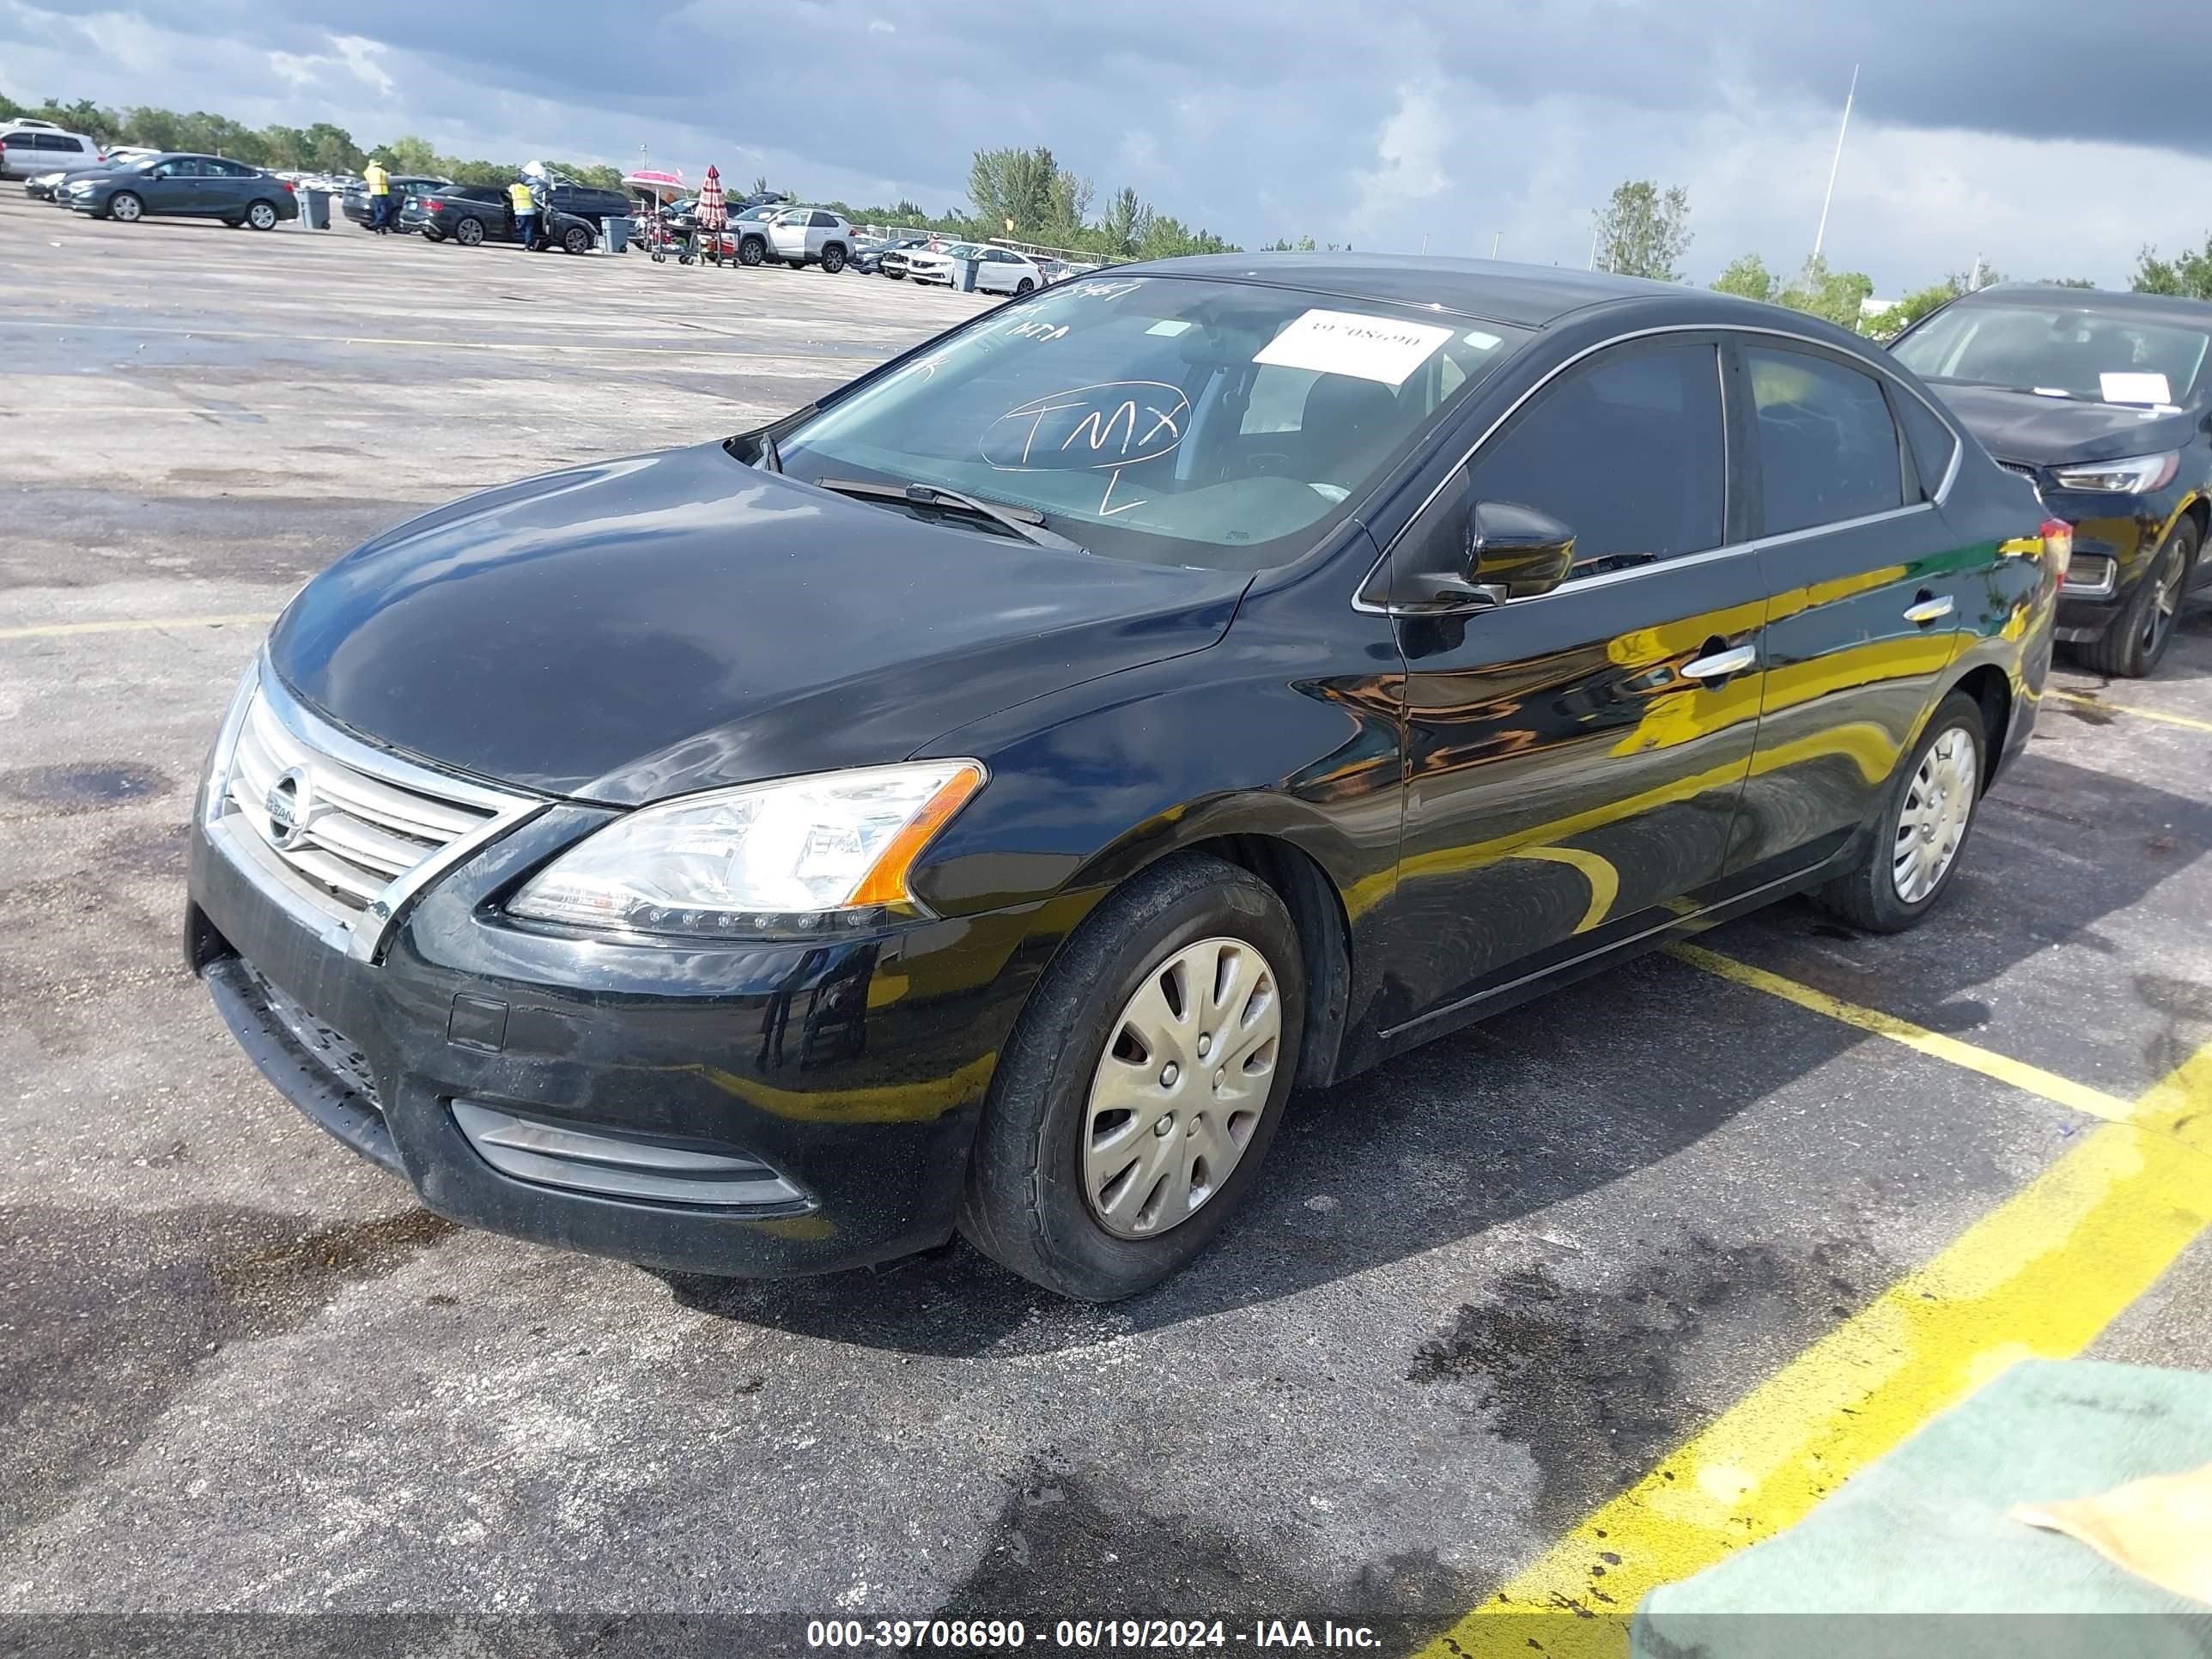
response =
{"points": [[576, 240], [262, 215], [126, 207], [1025, 286], [1049, 1131], [432, 238], [833, 258], [2138, 636], [1879, 895], [469, 233], [752, 251], [232, 222], [895, 276]]}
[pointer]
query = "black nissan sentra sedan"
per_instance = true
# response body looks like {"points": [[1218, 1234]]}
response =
{"points": [[977, 800], [2104, 400]]}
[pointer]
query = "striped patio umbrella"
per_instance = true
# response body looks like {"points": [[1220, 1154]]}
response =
{"points": [[713, 211]]}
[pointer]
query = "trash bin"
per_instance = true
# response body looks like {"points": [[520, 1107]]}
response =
{"points": [[315, 209], [615, 231], [967, 275]]}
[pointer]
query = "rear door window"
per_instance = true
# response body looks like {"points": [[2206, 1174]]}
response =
{"points": [[1933, 443], [1828, 447]]}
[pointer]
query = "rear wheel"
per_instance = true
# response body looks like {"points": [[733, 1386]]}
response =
{"points": [[262, 215], [1914, 850], [470, 232], [833, 259], [2138, 636], [1133, 1106], [126, 207], [1025, 286]]}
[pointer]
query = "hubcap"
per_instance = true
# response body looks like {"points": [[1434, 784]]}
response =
{"points": [[1932, 823], [2165, 601], [127, 209], [1162, 1133]]}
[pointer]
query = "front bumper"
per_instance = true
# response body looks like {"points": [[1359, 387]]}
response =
{"points": [[853, 1068], [2114, 538]]}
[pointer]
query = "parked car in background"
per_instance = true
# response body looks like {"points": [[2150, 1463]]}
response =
{"points": [[588, 201], [888, 257], [2105, 401], [998, 270], [175, 185], [803, 236], [354, 203], [745, 236], [46, 187], [1483, 641], [30, 147], [472, 215]]}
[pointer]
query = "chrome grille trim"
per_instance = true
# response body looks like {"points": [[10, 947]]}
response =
{"points": [[384, 828]]}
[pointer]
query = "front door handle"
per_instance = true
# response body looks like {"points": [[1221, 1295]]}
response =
{"points": [[1720, 664], [1929, 610]]}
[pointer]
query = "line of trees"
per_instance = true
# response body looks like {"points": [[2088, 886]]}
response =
{"points": [[1643, 229]]}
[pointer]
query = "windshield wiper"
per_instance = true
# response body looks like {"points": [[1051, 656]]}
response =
{"points": [[1024, 521]]}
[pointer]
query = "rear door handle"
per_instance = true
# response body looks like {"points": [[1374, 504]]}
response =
{"points": [[1929, 610], [1720, 664]]}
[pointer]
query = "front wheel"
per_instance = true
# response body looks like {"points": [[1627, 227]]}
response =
{"points": [[2131, 646], [1133, 1104], [262, 215], [126, 207], [576, 240], [752, 251], [1925, 819]]}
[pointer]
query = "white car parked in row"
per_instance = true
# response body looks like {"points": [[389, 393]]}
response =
{"points": [[808, 236], [998, 270]]}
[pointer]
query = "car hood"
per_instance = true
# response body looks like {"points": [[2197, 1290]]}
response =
{"points": [[2019, 426], [644, 627]]}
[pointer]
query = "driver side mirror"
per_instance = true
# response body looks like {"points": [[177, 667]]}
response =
{"points": [[1506, 551]]}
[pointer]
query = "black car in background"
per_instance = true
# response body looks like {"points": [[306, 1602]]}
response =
{"points": [[588, 201], [888, 257], [472, 215], [2104, 400], [978, 799], [181, 186], [354, 203]]}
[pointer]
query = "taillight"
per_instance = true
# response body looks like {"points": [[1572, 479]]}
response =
{"points": [[434, 207], [2057, 545], [287, 183]]}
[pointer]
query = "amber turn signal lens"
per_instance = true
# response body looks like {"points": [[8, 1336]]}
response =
{"points": [[885, 882]]}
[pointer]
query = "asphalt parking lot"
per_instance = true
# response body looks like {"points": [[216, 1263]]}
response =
{"points": [[1484, 1297]]}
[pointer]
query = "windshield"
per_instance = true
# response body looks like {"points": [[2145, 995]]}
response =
{"points": [[2061, 350], [1163, 419]]}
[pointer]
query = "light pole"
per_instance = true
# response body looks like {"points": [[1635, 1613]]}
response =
{"points": [[1821, 234]]}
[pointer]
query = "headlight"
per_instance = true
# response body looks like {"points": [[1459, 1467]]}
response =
{"points": [[2132, 476], [801, 856]]}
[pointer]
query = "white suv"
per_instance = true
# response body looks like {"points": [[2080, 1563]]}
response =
{"points": [[810, 236], [33, 146]]}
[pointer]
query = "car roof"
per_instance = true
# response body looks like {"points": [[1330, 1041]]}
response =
{"points": [[1528, 295], [2112, 302]]}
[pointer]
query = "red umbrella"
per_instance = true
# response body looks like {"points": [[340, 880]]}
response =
{"points": [[713, 211]]}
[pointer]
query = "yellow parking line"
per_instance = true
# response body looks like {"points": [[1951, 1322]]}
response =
{"points": [[2037, 1277], [50, 630], [2141, 713], [2075, 1096]]}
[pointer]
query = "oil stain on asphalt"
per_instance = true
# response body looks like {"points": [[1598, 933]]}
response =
{"points": [[1588, 1379], [108, 1312], [84, 786]]}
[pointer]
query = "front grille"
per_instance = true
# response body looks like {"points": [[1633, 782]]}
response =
{"points": [[362, 832]]}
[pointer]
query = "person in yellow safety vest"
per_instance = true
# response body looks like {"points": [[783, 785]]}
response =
{"points": [[525, 212], [380, 198]]}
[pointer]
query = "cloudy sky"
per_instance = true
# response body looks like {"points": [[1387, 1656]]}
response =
{"points": [[2050, 139]]}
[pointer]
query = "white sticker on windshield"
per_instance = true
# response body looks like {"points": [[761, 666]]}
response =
{"points": [[1348, 343], [1481, 340], [2134, 389], [1167, 325]]}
